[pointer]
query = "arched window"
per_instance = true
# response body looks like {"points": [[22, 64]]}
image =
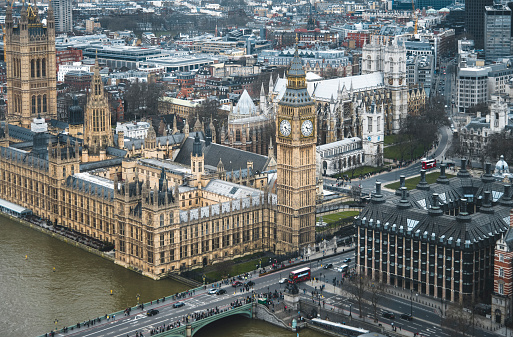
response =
{"points": [[32, 68], [369, 62], [43, 67], [391, 65], [38, 67], [34, 104], [39, 104], [45, 108]]}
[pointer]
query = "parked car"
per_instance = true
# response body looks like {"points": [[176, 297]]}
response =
{"points": [[178, 304], [283, 280], [212, 291], [237, 284], [388, 314], [407, 317], [152, 312], [328, 265], [220, 291], [347, 260], [249, 283]]}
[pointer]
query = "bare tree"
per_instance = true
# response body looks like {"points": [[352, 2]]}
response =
{"points": [[376, 294], [499, 144], [458, 319], [357, 288], [356, 192]]}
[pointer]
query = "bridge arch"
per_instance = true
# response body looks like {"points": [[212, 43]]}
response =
{"points": [[198, 325]]}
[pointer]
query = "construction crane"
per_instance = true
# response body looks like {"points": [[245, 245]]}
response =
{"points": [[415, 16]]}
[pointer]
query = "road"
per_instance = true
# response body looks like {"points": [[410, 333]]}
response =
{"points": [[369, 184], [426, 319]]}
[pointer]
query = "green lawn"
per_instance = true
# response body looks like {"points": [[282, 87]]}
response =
{"points": [[394, 152], [391, 139], [412, 182], [338, 216], [236, 269]]}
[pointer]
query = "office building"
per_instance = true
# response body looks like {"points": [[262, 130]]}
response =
{"points": [[437, 239], [497, 28], [474, 20], [63, 16]]}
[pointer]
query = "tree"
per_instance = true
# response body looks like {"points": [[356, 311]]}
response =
{"points": [[357, 288], [499, 144], [460, 318], [356, 192], [456, 149], [376, 294], [141, 99], [422, 129], [481, 107]]}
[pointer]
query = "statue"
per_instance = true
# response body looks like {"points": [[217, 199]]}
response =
{"points": [[292, 288]]}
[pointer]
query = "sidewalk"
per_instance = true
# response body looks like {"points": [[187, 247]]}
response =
{"points": [[481, 322]]}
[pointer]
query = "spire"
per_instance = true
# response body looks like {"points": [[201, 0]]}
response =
{"points": [[196, 146], [262, 91], [197, 124], [162, 179], [211, 124], [271, 84], [175, 127], [271, 148]]}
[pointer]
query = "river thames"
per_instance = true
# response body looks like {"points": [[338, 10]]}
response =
{"points": [[35, 295]]}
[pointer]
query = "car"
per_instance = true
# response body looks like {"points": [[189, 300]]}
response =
{"points": [[388, 314], [152, 312], [220, 291], [328, 265], [407, 317], [212, 291], [178, 304], [282, 281], [347, 260], [237, 284], [249, 284]]}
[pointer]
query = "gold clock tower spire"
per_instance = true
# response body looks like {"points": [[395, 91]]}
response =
{"points": [[296, 150]]}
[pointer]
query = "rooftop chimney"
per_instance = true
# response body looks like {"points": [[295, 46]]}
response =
{"points": [[423, 185], [442, 178]]}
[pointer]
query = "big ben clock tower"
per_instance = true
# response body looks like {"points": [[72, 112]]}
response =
{"points": [[296, 148]]}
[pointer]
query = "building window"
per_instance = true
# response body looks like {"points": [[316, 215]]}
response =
{"points": [[369, 124], [501, 258], [501, 272], [501, 288], [34, 104]]}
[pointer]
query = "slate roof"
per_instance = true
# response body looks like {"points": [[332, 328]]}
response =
{"points": [[20, 133], [233, 159], [173, 139], [419, 214], [101, 187], [100, 164], [58, 124]]}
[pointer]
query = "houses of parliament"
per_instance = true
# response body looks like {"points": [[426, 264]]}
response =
{"points": [[167, 203]]}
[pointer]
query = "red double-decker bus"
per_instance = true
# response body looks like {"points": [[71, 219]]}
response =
{"points": [[428, 163], [300, 275]]}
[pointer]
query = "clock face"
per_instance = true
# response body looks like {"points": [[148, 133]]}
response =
{"points": [[285, 128], [307, 128]]}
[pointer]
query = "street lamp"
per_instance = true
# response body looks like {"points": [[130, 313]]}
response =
{"points": [[350, 305], [411, 302]]}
